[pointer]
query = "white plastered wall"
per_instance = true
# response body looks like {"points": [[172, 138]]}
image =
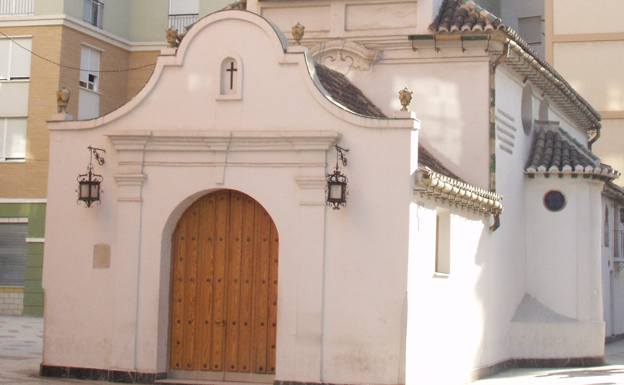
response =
{"points": [[563, 270], [612, 274], [341, 294], [437, 302]]}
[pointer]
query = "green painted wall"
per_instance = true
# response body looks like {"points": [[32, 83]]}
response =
{"points": [[48, 7], [207, 7], [116, 18], [149, 20], [35, 212], [73, 8]]}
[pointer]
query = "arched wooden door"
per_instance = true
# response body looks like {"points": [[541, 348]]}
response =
{"points": [[224, 287]]}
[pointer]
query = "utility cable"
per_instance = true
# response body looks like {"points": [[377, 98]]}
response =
{"points": [[72, 68]]}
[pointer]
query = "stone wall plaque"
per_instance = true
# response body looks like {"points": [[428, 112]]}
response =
{"points": [[101, 256]]}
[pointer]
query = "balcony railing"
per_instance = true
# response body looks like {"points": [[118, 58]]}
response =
{"points": [[92, 12], [182, 20], [16, 7]]}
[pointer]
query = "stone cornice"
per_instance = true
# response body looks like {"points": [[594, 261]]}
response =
{"points": [[185, 140]]}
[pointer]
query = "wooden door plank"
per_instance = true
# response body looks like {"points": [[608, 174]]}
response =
{"points": [[248, 236], [177, 295], [190, 288], [204, 281], [272, 316], [261, 292], [233, 280], [218, 328]]}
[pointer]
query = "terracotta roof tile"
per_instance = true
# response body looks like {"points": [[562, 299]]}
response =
{"points": [[345, 93], [462, 16], [425, 159], [556, 152], [465, 16], [613, 192]]}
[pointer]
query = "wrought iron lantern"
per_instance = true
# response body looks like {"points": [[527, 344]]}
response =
{"points": [[89, 184], [337, 182]]}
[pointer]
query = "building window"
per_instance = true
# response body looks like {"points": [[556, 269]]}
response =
{"points": [[443, 241], [88, 96], [92, 12], [554, 200], [15, 59], [12, 139], [16, 7], [531, 29], [89, 68]]}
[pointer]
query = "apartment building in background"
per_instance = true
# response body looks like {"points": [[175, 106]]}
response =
{"points": [[584, 41], [115, 43]]}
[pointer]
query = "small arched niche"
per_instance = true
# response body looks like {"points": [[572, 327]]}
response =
{"points": [[231, 77], [527, 109]]}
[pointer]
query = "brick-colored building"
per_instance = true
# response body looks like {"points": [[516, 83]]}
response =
{"points": [[102, 52]]}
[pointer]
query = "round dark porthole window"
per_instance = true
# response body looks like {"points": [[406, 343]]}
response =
{"points": [[554, 200]]}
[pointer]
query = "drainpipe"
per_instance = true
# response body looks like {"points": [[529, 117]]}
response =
{"points": [[593, 140], [493, 66]]}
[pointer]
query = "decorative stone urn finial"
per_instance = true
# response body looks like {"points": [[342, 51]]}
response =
{"points": [[297, 32], [405, 96], [62, 100], [172, 37]]}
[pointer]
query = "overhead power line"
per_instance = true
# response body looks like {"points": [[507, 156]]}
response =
{"points": [[69, 67]]}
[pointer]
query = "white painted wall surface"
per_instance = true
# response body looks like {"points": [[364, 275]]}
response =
{"points": [[436, 304], [612, 275], [452, 102], [564, 275], [341, 293], [356, 19]]}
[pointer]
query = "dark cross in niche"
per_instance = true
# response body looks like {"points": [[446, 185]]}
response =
{"points": [[231, 71]]}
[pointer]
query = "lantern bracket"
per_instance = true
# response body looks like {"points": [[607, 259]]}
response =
{"points": [[336, 189], [89, 184]]}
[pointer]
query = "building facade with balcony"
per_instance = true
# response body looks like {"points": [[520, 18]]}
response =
{"points": [[86, 46]]}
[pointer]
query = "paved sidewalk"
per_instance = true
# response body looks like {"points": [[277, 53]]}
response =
{"points": [[611, 374], [21, 342]]}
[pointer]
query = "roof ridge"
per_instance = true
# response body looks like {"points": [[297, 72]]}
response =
{"points": [[475, 18], [556, 151], [345, 93]]}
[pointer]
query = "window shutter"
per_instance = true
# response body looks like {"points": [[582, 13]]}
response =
{"points": [[94, 60], [16, 138], [13, 253], [84, 66], [4, 58], [20, 59]]}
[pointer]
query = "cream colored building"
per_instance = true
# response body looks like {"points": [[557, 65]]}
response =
{"points": [[585, 42]]}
